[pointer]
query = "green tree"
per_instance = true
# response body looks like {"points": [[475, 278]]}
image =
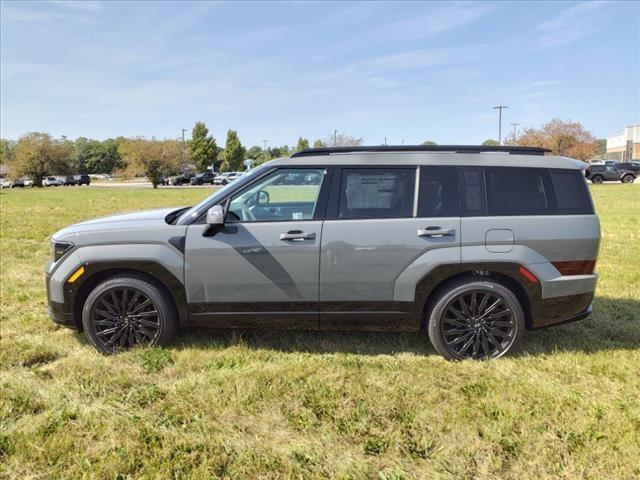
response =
{"points": [[602, 147], [233, 152], [490, 142], [203, 149], [37, 155], [303, 143], [153, 158], [6, 151], [254, 153], [318, 144], [429, 143]]}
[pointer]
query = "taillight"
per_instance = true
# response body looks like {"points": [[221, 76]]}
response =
{"points": [[576, 267]]}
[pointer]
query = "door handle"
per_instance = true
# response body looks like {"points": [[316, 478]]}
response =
{"points": [[436, 232], [297, 235]]}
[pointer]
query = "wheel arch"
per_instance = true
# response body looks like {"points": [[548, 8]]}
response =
{"points": [[151, 271], [507, 274]]}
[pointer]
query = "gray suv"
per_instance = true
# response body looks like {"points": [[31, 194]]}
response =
{"points": [[473, 245]]}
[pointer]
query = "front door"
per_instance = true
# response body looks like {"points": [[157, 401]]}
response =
{"points": [[261, 268]]}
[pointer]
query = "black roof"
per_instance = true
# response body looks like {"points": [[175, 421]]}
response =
{"points": [[307, 152]]}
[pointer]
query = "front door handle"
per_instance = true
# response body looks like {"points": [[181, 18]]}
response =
{"points": [[436, 232], [297, 235]]}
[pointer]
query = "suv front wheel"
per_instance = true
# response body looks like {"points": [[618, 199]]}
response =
{"points": [[628, 178], [126, 311], [478, 319]]}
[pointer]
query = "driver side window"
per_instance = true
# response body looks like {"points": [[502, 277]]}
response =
{"points": [[283, 195]]}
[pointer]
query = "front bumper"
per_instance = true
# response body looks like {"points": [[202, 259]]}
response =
{"points": [[60, 313]]}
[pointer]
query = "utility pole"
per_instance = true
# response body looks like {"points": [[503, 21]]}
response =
{"points": [[335, 138], [515, 130], [264, 150], [385, 140], [184, 151], [500, 108]]}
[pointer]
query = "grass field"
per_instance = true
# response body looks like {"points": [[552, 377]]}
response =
{"points": [[311, 405]]}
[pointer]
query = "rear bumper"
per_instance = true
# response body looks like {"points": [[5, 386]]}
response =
{"points": [[586, 313], [558, 310]]}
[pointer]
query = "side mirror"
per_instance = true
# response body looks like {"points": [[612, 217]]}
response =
{"points": [[215, 215], [263, 197]]}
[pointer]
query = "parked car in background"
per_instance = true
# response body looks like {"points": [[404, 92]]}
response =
{"points": [[5, 183], [202, 178], [28, 182], [472, 247], [233, 176], [70, 180], [164, 181], [82, 179], [219, 178], [52, 182], [182, 179], [615, 172]]}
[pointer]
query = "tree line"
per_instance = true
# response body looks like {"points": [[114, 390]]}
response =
{"points": [[38, 155]]}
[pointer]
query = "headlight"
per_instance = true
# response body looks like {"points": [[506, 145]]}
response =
{"points": [[60, 248]]}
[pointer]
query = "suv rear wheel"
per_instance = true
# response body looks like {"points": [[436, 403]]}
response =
{"points": [[477, 319], [628, 178], [597, 179], [126, 311]]}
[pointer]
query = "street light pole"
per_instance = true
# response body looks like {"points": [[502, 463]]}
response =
{"points": [[515, 130], [264, 150], [335, 138], [183, 130], [500, 108]]}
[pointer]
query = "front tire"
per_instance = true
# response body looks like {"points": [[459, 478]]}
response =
{"points": [[127, 311], [597, 179], [478, 319], [628, 179]]}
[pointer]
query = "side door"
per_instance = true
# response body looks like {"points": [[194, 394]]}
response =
{"points": [[261, 268], [377, 228]]}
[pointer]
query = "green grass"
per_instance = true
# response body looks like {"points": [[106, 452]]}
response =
{"points": [[311, 405]]}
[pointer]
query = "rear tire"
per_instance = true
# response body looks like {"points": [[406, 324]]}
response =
{"points": [[597, 179], [128, 311], [628, 178], [478, 319]]}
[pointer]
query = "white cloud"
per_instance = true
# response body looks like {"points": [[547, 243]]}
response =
{"points": [[84, 5], [571, 24], [436, 21]]}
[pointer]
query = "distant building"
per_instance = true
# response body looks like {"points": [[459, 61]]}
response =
{"points": [[625, 146]]}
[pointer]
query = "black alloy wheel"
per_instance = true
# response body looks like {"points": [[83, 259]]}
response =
{"points": [[476, 319], [124, 312]]}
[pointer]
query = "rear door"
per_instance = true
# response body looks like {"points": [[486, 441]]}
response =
{"points": [[375, 228]]}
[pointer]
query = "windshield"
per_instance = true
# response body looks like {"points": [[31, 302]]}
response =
{"points": [[197, 210]]}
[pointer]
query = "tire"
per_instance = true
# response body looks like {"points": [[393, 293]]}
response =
{"points": [[597, 179], [466, 334], [143, 302], [628, 178]]}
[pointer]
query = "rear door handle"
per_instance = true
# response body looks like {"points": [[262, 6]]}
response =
{"points": [[436, 232], [297, 235]]}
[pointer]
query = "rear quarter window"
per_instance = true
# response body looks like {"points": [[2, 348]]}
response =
{"points": [[519, 191], [571, 192]]}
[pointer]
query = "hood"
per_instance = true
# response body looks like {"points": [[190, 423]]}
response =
{"points": [[135, 220]]}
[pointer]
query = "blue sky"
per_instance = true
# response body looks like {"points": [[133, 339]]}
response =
{"points": [[408, 71]]}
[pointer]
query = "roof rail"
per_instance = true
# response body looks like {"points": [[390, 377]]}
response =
{"points": [[309, 152]]}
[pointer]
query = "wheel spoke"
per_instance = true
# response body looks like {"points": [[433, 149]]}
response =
{"points": [[141, 306], [148, 323], [460, 339], [152, 313]]}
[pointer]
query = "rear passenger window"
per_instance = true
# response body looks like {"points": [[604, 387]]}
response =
{"points": [[438, 192], [519, 191], [571, 192], [376, 193]]}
